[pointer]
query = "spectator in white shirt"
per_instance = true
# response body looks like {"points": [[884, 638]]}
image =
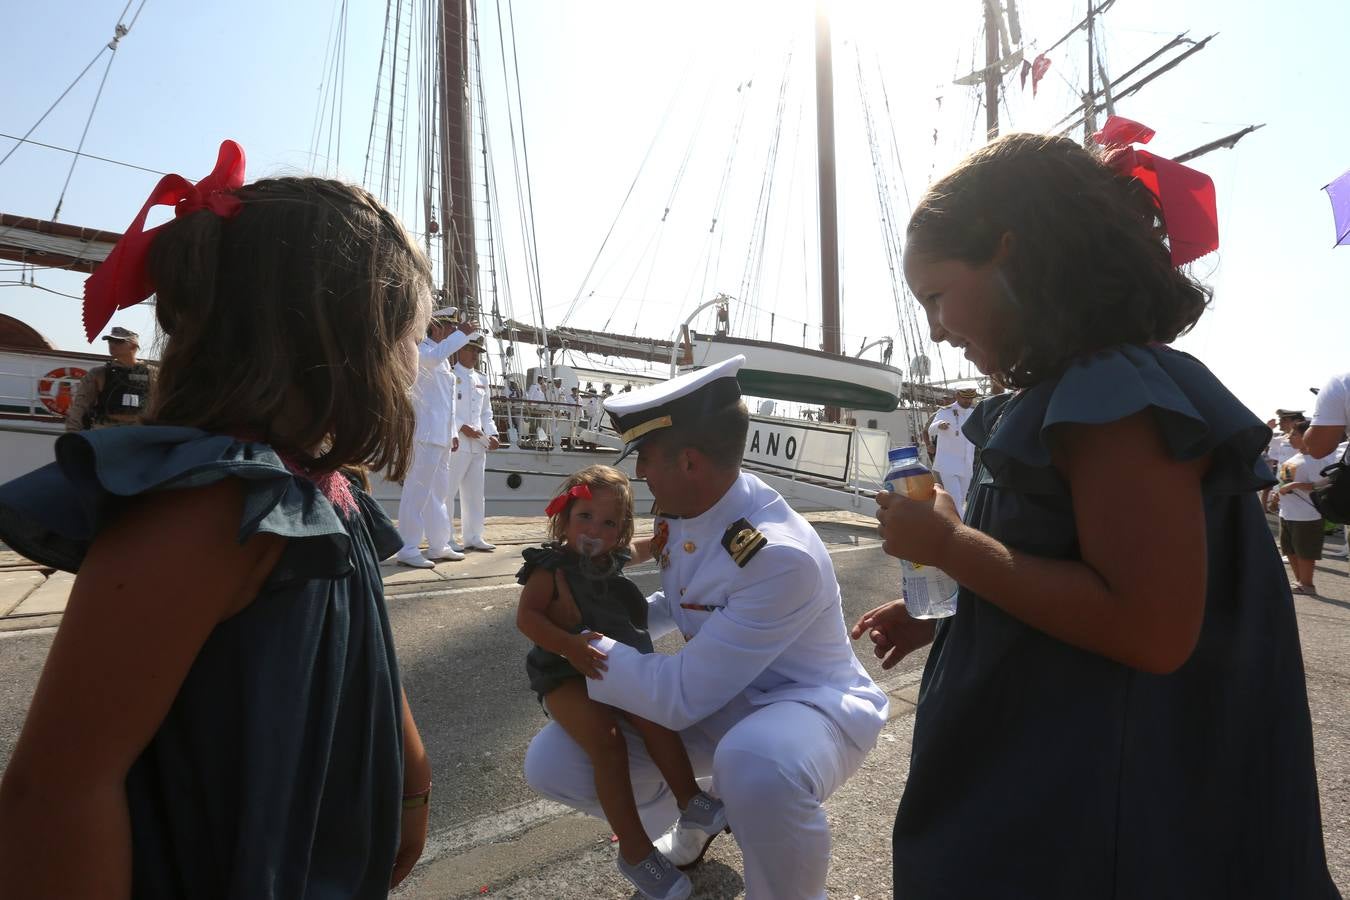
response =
{"points": [[1301, 525], [1279, 449], [1331, 418], [535, 397]]}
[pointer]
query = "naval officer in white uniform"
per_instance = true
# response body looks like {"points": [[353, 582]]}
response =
{"points": [[955, 457], [477, 435], [424, 503], [767, 693]]}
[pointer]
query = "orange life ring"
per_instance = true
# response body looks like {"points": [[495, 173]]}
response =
{"points": [[56, 387]]}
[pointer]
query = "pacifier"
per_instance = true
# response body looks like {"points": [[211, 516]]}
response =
{"points": [[595, 564], [590, 546]]}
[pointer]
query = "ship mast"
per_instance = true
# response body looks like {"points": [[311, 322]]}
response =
{"points": [[829, 214], [459, 251], [992, 72]]}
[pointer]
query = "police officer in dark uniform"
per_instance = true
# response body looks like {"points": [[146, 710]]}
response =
{"points": [[117, 393]]}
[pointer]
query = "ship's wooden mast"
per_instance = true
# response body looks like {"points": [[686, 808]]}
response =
{"points": [[459, 250], [829, 215]]}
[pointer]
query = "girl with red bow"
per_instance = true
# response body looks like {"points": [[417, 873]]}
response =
{"points": [[575, 591], [1118, 707], [220, 714]]}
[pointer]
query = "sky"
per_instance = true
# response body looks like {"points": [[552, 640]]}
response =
{"points": [[705, 108]]}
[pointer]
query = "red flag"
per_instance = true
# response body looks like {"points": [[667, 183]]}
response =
{"points": [[1039, 66], [1026, 70]]}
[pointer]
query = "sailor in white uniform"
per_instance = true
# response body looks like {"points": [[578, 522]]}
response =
{"points": [[424, 503], [767, 693], [477, 435], [955, 458]]}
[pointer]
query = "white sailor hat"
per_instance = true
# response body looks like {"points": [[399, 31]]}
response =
{"points": [[680, 401], [445, 312]]}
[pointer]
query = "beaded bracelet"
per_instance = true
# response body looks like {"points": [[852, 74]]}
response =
{"points": [[418, 798]]}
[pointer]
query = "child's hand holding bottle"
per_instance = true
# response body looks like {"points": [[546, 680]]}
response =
{"points": [[917, 530], [918, 521]]}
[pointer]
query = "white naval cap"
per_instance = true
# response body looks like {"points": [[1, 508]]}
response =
{"points": [[679, 401], [445, 312]]}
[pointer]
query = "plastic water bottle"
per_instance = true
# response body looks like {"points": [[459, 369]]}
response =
{"points": [[929, 592]]}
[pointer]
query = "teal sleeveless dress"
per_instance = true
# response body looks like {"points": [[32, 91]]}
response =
{"points": [[1043, 771], [278, 771]]}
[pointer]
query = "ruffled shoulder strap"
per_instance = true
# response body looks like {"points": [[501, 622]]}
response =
{"points": [[52, 515], [1195, 414], [550, 557]]}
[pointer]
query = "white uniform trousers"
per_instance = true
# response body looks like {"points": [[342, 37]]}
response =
{"points": [[956, 485], [467, 472], [423, 505], [773, 787]]}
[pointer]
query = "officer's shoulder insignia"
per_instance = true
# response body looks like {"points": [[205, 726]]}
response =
{"points": [[743, 541]]}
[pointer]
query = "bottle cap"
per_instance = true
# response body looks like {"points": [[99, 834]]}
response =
{"points": [[902, 453]]}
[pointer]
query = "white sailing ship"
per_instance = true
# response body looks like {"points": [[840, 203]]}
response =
{"points": [[826, 446]]}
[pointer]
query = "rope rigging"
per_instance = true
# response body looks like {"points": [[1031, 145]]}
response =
{"points": [[329, 109], [910, 329], [754, 262], [744, 90], [120, 30], [519, 149], [665, 118]]}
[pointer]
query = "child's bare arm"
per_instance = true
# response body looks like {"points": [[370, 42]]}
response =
{"points": [[533, 620], [641, 550], [416, 778], [532, 615], [149, 593]]}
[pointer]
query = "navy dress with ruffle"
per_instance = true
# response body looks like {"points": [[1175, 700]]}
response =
{"points": [[278, 770], [1040, 770]]}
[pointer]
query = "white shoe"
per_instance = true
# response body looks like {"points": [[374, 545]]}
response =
{"points": [[449, 554], [480, 544], [685, 844], [416, 560]]}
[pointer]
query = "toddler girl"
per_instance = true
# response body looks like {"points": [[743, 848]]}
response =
{"points": [[1117, 708], [575, 591], [220, 713]]}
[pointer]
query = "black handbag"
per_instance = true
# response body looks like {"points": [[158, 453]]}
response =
{"points": [[1333, 499]]}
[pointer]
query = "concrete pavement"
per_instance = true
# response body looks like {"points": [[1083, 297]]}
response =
{"points": [[34, 596], [522, 846], [541, 849]]}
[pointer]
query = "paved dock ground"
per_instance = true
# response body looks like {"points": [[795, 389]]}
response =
{"points": [[491, 836]]}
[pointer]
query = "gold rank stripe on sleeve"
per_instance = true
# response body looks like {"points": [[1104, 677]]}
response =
{"points": [[743, 541]]}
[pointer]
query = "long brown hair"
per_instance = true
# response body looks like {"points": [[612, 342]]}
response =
{"points": [[597, 478], [1089, 267], [285, 322]]}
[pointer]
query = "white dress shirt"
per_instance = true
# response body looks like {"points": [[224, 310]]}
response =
{"points": [[473, 408], [433, 393], [955, 453], [769, 631]]}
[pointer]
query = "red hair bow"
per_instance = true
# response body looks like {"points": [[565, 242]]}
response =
{"points": [[121, 280], [559, 503], [1185, 196]]}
